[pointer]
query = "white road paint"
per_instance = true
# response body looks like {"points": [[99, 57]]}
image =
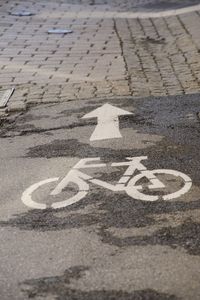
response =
{"points": [[5, 96], [27, 195], [108, 122], [127, 183], [127, 15], [85, 163], [79, 179], [134, 191]]}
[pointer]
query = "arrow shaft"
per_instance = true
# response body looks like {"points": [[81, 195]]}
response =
{"points": [[106, 130], [108, 122]]}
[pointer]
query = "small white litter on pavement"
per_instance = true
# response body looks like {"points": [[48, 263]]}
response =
{"points": [[60, 31], [22, 13]]}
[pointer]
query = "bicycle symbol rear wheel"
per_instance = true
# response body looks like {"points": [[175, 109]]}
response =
{"points": [[83, 189]]}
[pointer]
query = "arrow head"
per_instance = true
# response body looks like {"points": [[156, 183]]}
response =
{"points": [[106, 111]]}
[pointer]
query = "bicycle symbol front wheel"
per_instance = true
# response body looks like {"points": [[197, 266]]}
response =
{"points": [[134, 190]]}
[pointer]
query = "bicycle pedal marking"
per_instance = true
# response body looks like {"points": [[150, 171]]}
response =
{"points": [[128, 182]]}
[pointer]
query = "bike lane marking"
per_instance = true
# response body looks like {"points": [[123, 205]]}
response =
{"points": [[27, 195], [142, 131], [108, 122], [54, 135], [82, 181]]}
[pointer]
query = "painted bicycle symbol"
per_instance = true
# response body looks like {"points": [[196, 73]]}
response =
{"points": [[129, 183]]}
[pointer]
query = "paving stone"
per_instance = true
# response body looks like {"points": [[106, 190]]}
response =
{"points": [[102, 56], [17, 106]]}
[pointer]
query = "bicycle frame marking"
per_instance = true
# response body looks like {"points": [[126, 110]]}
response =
{"points": [[127, 182]]}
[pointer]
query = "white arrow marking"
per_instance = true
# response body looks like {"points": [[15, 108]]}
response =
{"points": [[108, 122]]}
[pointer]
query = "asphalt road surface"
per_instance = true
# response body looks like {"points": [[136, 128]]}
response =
{"points": [[76, 220], [162, 4], [99, 198], [141, 5]]}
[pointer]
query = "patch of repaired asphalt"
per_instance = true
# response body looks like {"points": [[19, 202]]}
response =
{"points": [[185, 235], [73, 148], [156, 112], [59, 287], [165, 154], [118, 212]]}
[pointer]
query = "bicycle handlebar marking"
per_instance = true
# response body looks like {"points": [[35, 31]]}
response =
{"points": [[127, 183]]}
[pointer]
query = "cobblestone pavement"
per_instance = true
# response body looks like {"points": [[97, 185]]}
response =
{"points": [[162, 54], [103, 57]]}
